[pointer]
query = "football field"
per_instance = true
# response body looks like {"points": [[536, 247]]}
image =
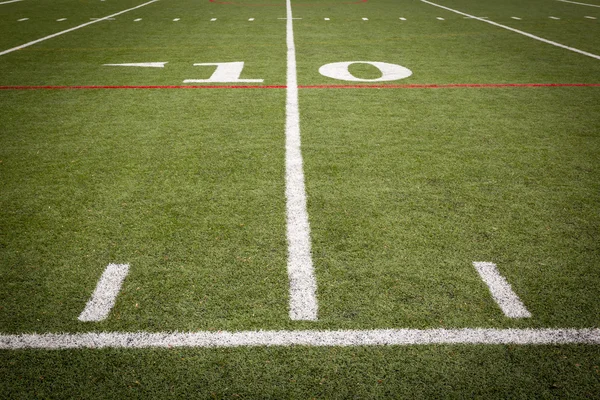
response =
{"points": [[299, 199]]}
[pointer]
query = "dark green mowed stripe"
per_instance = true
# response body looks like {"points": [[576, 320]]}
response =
{"points": [[191, 195], [408, 188]]}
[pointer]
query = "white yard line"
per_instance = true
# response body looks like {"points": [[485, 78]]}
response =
{"points": [[10, 1], [529, 35], [581, 4], [104, 297], [303, 285], [73, 29], [501, 291], [382, 337]]}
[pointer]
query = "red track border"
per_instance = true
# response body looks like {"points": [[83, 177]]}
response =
{"points": [[410, 86]]}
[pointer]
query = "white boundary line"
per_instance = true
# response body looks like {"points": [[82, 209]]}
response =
{"points": [[581, 4], [103, 299], [501, 291], [378, 337], [529, 35], [303, 285], [73, 29], [10, 1]]}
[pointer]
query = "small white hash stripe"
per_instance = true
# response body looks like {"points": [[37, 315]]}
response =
{"points": [[105, 295], [501, 291], [383, 337]]}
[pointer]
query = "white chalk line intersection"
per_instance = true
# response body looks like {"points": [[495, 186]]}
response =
{"points": [[104, 297]]}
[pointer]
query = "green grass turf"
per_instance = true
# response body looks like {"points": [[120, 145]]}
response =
{"points": [[405, 190]]}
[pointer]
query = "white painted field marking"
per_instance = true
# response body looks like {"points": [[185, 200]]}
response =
{"points": [[501, 291], [382, 337], [326, 19], [440, 18], [529, 35], [73, 29], [588, 17], [517, 18], [365, 19], [581, 4], [22, 19], [176, 19], [303, 284], [402, 19], [213, 19], [556, 18], [107, 289], [341, 71], [61, 19], [477, 17], [250, 19], [227, 72], [137, 20], [143, 65], [107, 19], [10, 1]]}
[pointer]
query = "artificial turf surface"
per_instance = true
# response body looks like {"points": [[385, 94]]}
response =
{"points": [[406, 188]]}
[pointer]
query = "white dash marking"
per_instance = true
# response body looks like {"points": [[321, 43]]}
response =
{"points": [[23, 19], [143, 65], [501, 291], [588, 17], [104, 297], [213, 19], [61, 19], [73, 29], [529, 35], [326, 19], [10, 1], [517, 18], [303, 284], [402, 19], [341, 338], [555, 18], [440, 18], [250, 19], [137, 20], [365, 19], [176, 19], [581, 4]]}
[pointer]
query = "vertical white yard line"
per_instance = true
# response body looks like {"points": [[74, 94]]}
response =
{"points": [[303, 285], [73, 29], [529, 35], [104, 297], [501, 291]]}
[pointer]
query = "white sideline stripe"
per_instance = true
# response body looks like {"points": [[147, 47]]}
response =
{"points": [[10, 1], [581, 4], [303, 285], [107, 289], [378, 337], [501, 291], [73, 29], [585, 53]]}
